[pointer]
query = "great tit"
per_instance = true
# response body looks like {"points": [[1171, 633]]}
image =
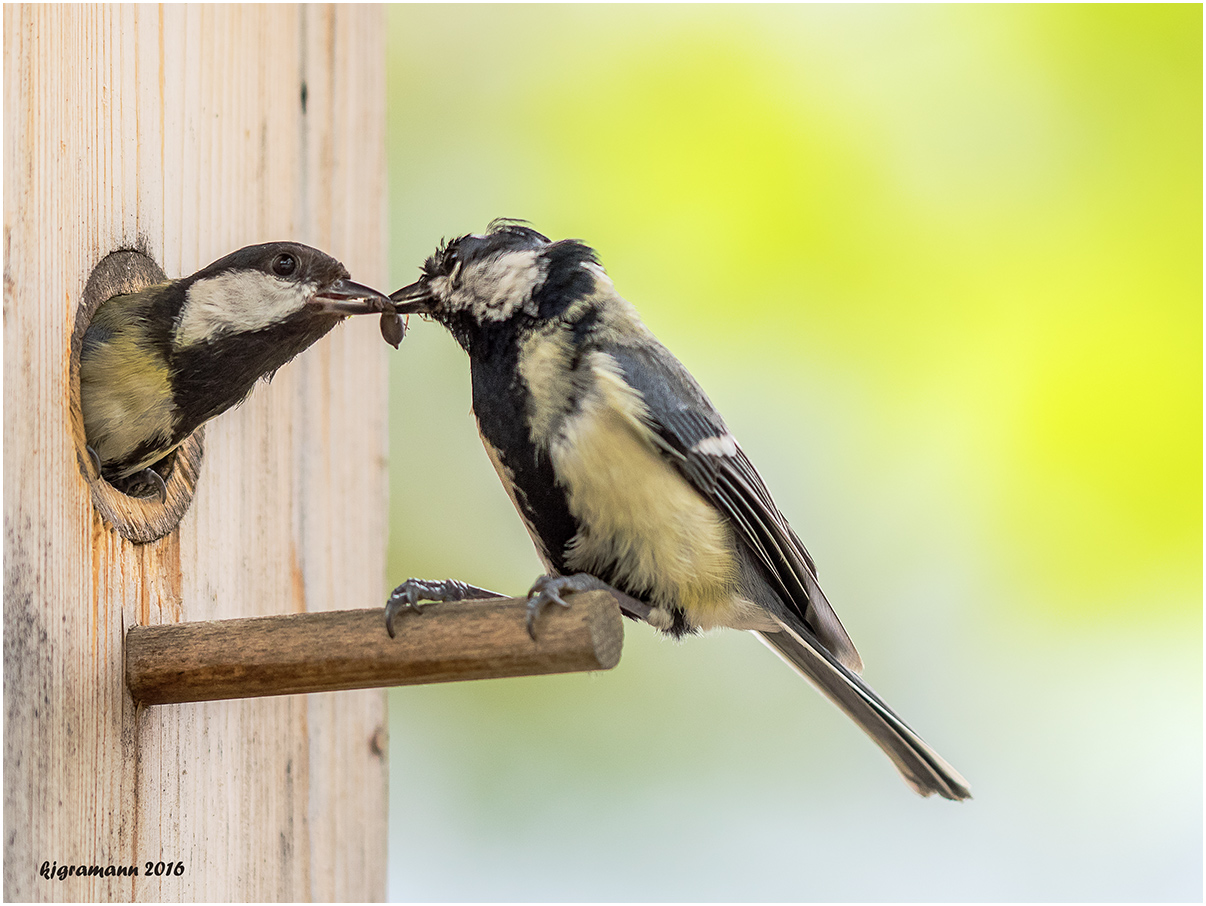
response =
{"points": [[625, 474], [157, 364]]}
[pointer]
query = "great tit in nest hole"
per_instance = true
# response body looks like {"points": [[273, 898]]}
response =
{"points": [[157, 364], [625, 474]]}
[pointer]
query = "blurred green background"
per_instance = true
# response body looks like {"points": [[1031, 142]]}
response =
{"points": [[940, 268]]}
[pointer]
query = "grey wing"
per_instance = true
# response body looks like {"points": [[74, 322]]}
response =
{"points": [[692, 436]]}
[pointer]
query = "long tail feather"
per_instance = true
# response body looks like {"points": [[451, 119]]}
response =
{"points": [[923, 768]]}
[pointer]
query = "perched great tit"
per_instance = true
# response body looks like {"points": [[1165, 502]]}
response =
{"points": [[157, 364], [626, 476]]}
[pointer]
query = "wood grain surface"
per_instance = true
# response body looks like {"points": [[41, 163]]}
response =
{"points": [[350, 649], [187, 132]]}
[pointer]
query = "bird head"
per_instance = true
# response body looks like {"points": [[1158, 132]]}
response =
{"points": [[278, 285], [157, 363], [506, 278]]}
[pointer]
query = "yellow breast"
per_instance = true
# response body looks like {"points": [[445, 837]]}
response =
{"points": [[636, 510]]}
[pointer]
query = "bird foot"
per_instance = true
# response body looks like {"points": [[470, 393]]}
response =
{"points": [[408, 595], [95, 457], [549, 589], [143, 485]]}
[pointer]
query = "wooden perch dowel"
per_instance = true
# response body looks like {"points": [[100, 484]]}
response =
{"points": [[350, 649]]}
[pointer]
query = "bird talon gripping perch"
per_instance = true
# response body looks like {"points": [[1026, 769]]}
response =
{"points": [[548, 590], [408, 595], [625, 473]]}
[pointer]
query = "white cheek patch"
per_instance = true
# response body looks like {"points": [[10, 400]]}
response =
{"points": [[440, 289], [238, 302], [495, 289]]}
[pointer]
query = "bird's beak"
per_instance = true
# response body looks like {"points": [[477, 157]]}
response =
{"points": [[343, 297], [415, 299]]}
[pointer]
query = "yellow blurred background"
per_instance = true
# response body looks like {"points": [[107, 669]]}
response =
{"points": [[940, 268]]}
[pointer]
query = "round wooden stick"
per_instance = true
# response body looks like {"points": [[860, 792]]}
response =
{"points": [[350, 649]]}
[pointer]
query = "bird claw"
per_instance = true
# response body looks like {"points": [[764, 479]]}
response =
{"points": [[404, 597], [408, 595], [139, 483], [158, 484], [549, 589], [95, 457]]}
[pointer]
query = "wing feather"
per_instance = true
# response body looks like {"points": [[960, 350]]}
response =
{"points": [[693, 437]]}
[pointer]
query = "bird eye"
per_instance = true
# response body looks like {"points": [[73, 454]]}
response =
{"points": [[284, 264]]}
